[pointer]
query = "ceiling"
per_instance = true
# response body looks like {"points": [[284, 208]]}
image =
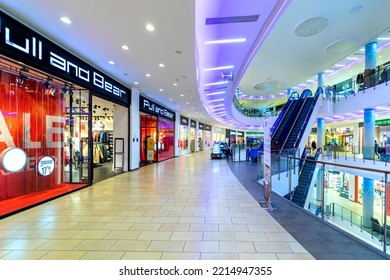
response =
{"points": [[271, 60]]}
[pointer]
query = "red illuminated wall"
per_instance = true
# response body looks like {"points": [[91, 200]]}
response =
{"points": [[33, 121]]}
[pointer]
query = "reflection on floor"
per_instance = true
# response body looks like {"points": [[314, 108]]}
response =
{"points": [[103, 171], [188, 207]]}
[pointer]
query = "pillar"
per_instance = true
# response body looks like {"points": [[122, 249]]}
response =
{"points": [[369, 133], [368, 201], [320, 176], [370, 55], [356, 136], [289, 92], [321, 133], [321, 79]]}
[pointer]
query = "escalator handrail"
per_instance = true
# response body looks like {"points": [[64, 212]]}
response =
{"points": [[319, 92], [282, 137], [281, 116], [307, 117], [293, 125]]}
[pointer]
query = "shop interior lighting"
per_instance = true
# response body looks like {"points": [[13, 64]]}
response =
{"points": [[22, 78], [68, 88], [49, 88]]}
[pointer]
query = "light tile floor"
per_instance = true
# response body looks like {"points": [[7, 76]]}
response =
{"points": [[186, 208]]}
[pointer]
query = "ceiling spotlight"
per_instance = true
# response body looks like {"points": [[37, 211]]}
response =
{"points": [[47, 83], [66, 20], [150, 27], [21, 79]]}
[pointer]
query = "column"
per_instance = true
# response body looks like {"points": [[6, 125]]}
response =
{"points": [[320, 176], [370, 55], [368, 201], [369, 133], [321, 79], [289, 92], [368, 153], [370, 64], [356, 136], [321, 133]]}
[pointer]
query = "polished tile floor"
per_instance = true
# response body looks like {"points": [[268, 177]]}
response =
{"points": [[186, 208]]}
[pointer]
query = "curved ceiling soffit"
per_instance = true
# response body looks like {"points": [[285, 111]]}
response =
{"points": [[220, 106]]}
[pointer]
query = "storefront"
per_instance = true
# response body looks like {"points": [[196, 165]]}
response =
{"points": [[157, 132], [200, 136], [193, 141], [235, 136], [218, 134], [46, 117], [184, 136], [207, 137]]}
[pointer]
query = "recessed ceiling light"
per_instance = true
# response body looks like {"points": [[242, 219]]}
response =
{"points": [[226, 41], [125, 47], [111, 62], [219, 105], [150, 27], [181, 94], [216, 83], [136, 83], [161, 65], [215, 93], [161, 89], [219, 68], [217, 100], [147, 75], [175, 84], [66, 20]]}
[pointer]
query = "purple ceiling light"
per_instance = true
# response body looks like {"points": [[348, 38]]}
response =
{"points": [[228, 33]]}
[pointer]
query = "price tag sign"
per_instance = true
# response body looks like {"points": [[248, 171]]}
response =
{"points": [[45, 166]]}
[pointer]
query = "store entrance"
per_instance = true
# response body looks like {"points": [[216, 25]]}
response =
{"points": [[102, 139], [76, 153]]}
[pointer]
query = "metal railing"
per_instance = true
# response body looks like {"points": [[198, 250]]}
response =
{"points": [[331, 205]]}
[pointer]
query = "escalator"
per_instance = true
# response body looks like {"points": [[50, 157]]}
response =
{"points": [[305, 177], [300, 123], [283, 126]]}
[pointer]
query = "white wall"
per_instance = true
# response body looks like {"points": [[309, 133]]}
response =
{"points": [[121, 128], [135, 131], [177, 134]]}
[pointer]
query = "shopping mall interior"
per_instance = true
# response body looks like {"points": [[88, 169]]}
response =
{"points": [[113, 112]]}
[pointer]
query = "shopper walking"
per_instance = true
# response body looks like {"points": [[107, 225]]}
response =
{"points": [[376, 148]]}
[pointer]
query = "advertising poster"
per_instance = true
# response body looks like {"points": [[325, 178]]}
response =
{"points": [[267, 161]]}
